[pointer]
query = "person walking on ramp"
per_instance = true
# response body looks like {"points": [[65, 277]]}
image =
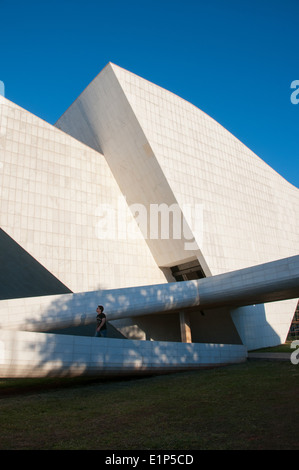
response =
{"points": [[101, 330]]}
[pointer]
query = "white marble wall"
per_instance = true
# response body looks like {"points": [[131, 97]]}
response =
{"points": [[142, 142], [52, 189], [250, 213], [108, 115], [163, 149]]}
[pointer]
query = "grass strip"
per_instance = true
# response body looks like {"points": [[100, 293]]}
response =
{"points": [[247, 406]]}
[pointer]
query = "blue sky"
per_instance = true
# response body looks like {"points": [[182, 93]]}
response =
{"points": [[234, 59]]}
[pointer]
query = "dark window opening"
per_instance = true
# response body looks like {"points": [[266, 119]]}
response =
{"points": [[187, 271]]}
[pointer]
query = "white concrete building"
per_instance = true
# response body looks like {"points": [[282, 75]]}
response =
{"points": [[132, 187]]}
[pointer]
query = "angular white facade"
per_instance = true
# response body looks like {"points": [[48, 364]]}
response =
{"points": [[52, 187], [135, 186], [162, 149], [159, 145]]}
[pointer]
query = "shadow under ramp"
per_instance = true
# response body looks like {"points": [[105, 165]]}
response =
{"points": [[88, 330], [21, 275]]}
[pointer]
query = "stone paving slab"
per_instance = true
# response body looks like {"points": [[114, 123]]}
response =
{"points": [[270, 356]]}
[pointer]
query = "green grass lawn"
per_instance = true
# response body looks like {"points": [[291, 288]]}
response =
{"points": [[253, 405]]}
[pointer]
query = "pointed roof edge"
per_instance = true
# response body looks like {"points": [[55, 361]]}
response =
{"points": [[254, 154], [114, 66], [107, 65]]}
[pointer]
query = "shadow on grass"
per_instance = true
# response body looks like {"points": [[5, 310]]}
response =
{"points": [[246, 406]]}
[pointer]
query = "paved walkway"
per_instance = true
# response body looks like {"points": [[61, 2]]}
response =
{"points": [[270, 356]]}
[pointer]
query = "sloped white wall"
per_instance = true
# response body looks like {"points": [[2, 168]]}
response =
{"points": [[250, 213], [52, 191], [162, 148]]}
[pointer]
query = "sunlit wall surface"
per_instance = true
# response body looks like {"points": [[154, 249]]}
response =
{"points": [[162, 149], [79, 208]]}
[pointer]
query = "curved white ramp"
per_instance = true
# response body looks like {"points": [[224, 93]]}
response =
{"points": [[33, 353], [269, 282], [28, 354]]}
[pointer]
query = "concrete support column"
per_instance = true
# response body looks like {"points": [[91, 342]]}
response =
{"points": [[185, 328]]}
